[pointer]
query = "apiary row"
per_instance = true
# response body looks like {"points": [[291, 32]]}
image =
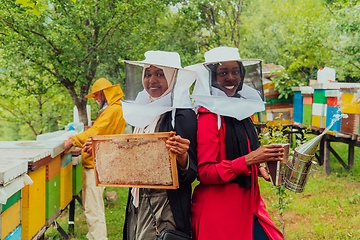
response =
{"points": [[38, 181], [328, 105]]}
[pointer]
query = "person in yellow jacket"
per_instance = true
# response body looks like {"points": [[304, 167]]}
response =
{"points": [[109, 121]]}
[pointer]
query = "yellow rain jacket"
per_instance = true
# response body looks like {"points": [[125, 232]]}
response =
{"points": [[110, 121]]}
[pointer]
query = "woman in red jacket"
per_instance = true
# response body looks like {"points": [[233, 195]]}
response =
{"points": [[227, 202]]}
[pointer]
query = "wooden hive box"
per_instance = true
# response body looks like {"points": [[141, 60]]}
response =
{"points": [[135, 160], [14, 235], [77, 179], [52, 191], [10, 219], [66, 185], [34, 205]]}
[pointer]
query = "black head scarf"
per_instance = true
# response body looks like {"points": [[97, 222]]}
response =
{"points": [[236, 142]]}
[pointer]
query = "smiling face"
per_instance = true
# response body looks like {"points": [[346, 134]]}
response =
{"points": [[154, 81], [228, 77]]}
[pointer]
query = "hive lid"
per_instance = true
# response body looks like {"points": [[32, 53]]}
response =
{"points": [[13, 186], [335, 85], [60, 135], [31, 155], [332, 93], [307, 90], [11, 168], [299, 88], [55, 147]]}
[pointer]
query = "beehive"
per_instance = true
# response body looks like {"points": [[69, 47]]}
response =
{"points": [[66, 159], [33, 209], [66, 183], [53, 209], [350, 107], [10, 219], [14, 235], [319, 115], [350, 124], [333, 110], [77, 179], [307, 94], [298, 107]]}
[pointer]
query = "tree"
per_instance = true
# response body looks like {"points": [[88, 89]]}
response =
{"points": [[69, 41], [344, 40], [30, 98]]}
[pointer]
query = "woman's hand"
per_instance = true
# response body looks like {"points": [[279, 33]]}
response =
{"points": [[180, 146], [264, 172], [265, 153], [88, 146]]}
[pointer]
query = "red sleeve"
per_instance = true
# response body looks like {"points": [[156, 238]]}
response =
{"points": [[212, 166]]}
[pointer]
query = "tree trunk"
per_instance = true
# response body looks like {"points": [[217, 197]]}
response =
{"points": [[82, 112]]}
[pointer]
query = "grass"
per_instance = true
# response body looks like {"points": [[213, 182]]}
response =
{"points": [[329, 208]]}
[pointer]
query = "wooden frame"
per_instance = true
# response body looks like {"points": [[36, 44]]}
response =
{"points": [[125, 154]]}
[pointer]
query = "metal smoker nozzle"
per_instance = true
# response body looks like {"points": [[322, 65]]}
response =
{"points": [[309, 148]]}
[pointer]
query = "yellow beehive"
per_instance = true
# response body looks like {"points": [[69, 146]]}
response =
{"points": [[350, 103], [10, 219], [319, 121], [66, 185], [33, 204], [269, 85], [256, 118]]}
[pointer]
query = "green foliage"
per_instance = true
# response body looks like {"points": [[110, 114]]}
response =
{"points": [[33, 100], [284, 198], [283, 83], [274, 134], [72, 42]]}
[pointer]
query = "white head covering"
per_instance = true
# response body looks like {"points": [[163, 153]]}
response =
{"points": [[217, 101], [169, 76], [145, 109]]}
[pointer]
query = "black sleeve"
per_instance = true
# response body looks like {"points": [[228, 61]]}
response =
{"points": [[186, 127]]}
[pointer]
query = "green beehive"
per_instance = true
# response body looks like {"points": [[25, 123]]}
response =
{"points": [[52, 197], [77, 179], [319, 96], [307, 114]]}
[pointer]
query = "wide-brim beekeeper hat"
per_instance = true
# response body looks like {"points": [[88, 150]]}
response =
{"points": [[159, 58], [138, 110], [205, 94], [99, 85]]}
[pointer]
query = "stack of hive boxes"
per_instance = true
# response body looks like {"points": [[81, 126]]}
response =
{"points": [[77, 171], [307, 94], [333, 110], [12, 174], [298, 107], [349, 110], [278, 110], [33, 196], [319, 107], [299, 103], [66, 182], [52, 190]]}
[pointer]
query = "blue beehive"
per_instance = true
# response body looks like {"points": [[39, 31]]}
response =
{"points": [[298, 107], [331, 115]]}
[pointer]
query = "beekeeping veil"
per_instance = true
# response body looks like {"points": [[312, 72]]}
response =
{"points": [[249, 95], [140, 109]]}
